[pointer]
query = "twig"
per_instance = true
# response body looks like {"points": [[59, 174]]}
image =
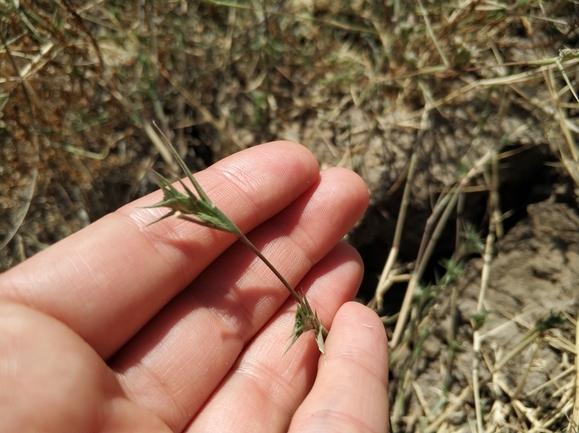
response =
{"points": [[485, 277], [448, 205], [384, 281], [417, 274]]}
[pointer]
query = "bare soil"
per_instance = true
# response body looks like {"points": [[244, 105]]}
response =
{"points": [[534, 274]]}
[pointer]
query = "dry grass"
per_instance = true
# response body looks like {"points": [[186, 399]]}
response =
{"points": [[456, 86]]}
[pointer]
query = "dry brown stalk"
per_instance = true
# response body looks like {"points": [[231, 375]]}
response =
{"points": [[446, 206], [386, 275], [485, 277]]}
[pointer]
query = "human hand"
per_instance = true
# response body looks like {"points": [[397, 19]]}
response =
{"points": [[177, 327]]}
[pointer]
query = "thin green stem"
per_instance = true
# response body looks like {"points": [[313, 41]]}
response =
{"points": [[270, 266]]}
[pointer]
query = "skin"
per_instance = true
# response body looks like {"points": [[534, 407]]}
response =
{"points": [[125, 327]]}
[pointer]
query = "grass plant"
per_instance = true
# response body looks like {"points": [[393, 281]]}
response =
{"points": [[199, 209]]}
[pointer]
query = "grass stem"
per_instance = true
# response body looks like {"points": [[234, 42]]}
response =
{"points": [[258, 253], [199, 209]]}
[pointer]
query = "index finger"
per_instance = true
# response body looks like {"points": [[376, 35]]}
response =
{"points": [[106, 281]]}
